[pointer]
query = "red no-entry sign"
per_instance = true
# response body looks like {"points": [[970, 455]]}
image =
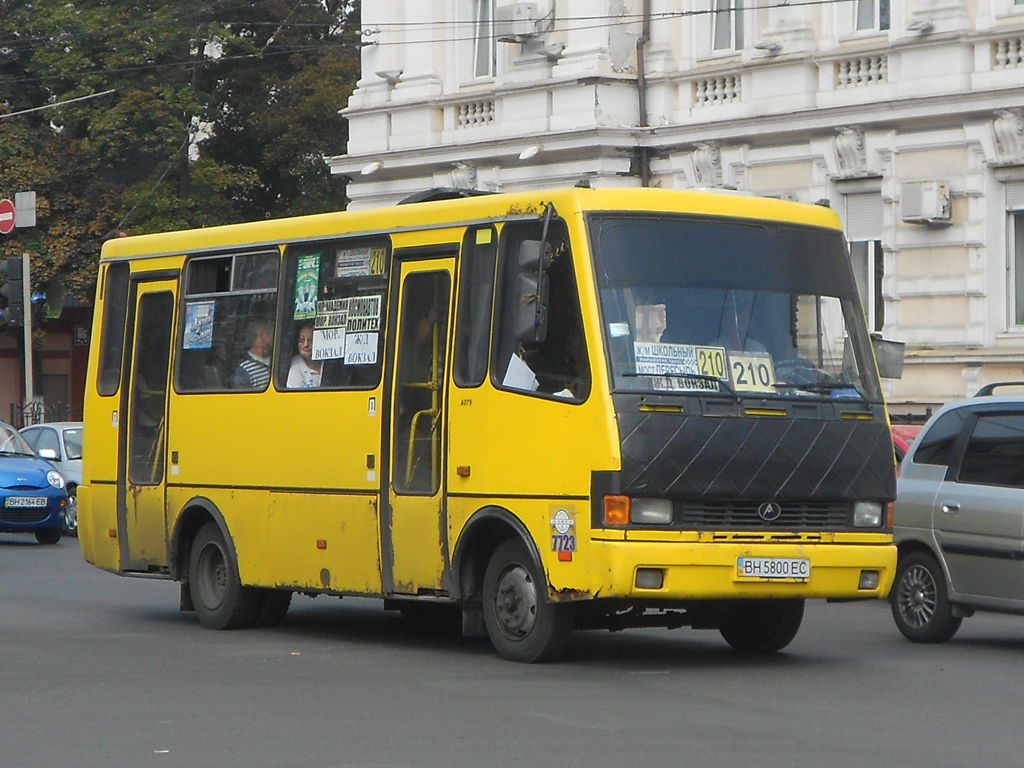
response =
{"points": [[6, 216]]}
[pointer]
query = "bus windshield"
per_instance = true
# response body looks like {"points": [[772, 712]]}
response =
{"points": [[701, 305]]}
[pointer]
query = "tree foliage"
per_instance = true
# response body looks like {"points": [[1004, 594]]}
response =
{"points": [[219, 111]]}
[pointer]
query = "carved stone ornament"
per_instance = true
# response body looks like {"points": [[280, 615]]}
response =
{"points": [[850, 153], [464, 176], [707, 165], [1008, 129]]}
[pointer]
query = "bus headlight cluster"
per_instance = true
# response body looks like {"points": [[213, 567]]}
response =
{"points": [[867, 514], [621, 510], [650, 511]]}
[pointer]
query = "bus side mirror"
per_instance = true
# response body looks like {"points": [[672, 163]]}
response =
{"points": [[531, 312], [889, 355]]}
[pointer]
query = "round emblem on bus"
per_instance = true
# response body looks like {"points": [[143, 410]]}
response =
{"points": [[561, 522], [769, 511]]}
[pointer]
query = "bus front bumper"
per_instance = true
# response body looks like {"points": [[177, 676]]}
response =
{"points": [[653, 570]]}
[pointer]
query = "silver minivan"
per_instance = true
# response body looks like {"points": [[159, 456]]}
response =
{"points": [[60, 442], [959, 517]]}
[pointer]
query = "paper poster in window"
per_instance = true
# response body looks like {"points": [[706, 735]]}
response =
{"points": [[363, 314], [331, 313], [361, 348], [307, 285], [198, 325], [352, 262], [329, 344]]}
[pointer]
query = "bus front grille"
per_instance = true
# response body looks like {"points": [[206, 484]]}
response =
{"points": [[793, 516]]}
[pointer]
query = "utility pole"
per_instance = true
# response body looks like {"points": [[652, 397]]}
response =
{"points": [[30, 389], [18, 288]]}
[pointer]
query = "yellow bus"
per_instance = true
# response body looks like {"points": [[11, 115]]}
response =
{"points": [[556, 410]]}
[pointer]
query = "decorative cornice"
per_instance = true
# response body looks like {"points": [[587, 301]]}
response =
{"points": [[707, 165], [1008, 130], [463, 176], [849, 146]]}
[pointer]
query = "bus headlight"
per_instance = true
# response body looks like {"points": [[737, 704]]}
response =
{"points": [[650, 511], [54, 478], [867, 514]]}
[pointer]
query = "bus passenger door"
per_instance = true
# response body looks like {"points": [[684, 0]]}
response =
{"points": [[414, 523], [142, 434]]}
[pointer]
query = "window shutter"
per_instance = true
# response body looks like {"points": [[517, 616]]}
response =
{"points": [[864, 216], [1015, 195]]}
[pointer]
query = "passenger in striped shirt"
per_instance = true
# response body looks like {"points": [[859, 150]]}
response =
{"points": [[253, 371]]}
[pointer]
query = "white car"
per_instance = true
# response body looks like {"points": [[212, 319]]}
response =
{"points": [[60, 443]]}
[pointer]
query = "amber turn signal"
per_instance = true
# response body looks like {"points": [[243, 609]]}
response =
{"points": [[616, 510]]}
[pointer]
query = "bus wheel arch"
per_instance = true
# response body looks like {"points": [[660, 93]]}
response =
{"points": [[503, 589], [203, 559], [218, 596], [483, 533], [194, 515]]}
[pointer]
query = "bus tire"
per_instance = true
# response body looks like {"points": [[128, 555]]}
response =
{"points": [[522, 623], [920, 602], [761, 626], [273, 607], [220, 600]]}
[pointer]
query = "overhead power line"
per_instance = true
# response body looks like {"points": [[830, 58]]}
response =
{"points": [[58, 104]]}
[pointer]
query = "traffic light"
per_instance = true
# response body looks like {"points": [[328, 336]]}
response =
{"points": [[13, 290]]}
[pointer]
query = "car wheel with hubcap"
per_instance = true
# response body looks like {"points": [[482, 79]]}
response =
{"points": [[522, 623], [71, 513], [920, 600], [220, 600]]}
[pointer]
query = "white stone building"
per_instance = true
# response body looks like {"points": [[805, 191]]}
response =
{"points": [[906, 115]]}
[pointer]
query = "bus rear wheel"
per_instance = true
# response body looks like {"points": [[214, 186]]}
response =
{"points": [[220, 600], [522, 623], [272, 607], [761, 626]]}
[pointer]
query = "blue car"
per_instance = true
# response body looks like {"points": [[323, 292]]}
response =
{"points": [[33, 494]]}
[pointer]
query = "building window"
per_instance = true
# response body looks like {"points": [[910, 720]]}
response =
{"points": [[484, 53], [868, 269], [727, 25], [865, 214], [1016, 241], [872, 15]]}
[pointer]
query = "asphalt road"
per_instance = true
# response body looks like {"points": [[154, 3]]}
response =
{"points": [[97, 670]]}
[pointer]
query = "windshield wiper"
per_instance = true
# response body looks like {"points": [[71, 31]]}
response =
{"points": [[821, 386]]}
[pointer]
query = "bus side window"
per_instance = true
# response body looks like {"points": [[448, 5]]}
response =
{"points": [[115, 315], [476, 298], [556, 365], [330, 334], [228, 298]]}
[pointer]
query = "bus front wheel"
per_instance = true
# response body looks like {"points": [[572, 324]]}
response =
{"points": [[522, 623], [220, 600], [761, 626]]}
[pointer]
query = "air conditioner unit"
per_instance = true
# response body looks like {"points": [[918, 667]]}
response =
{"points": [[925, 202], [516, 23]]}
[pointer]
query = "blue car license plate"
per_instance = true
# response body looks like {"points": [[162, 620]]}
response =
{"points": [[25, 501]]}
